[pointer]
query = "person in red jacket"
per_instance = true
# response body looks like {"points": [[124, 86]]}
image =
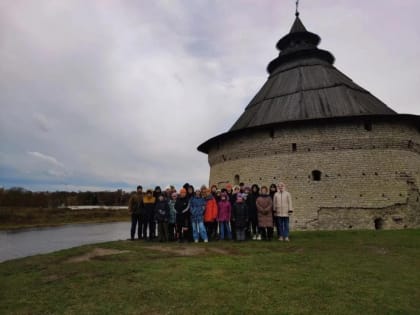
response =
{"points": [[210, 215]]}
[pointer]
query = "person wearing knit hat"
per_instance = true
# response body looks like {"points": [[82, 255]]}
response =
{"points": [[162, 213]]}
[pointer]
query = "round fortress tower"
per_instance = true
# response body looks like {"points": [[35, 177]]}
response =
{"points": [[350, 161]]}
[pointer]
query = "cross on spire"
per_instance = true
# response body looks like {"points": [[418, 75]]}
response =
{"points": [[297, 8]]}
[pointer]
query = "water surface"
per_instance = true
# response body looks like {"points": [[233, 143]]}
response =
{"points": [[27, 242]]}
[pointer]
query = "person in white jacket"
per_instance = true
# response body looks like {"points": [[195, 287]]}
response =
{"points": [[282, 206]]}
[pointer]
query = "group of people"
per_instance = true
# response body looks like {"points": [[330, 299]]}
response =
{"points": [[238, 213]]}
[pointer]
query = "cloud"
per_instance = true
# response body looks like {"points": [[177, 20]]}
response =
{"points": [[99, 94], [46, 158]]}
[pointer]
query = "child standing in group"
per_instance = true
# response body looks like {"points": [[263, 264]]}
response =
{"points": [[240, 217], [172, 216], [197, 206], [148, 212], [210, 215], [162, 218], [224, 216]]}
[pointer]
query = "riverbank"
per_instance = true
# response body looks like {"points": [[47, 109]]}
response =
{"points": [[18, 218], [342, 272]]}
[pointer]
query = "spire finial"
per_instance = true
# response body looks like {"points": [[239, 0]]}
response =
{"points": [[297, 8]]}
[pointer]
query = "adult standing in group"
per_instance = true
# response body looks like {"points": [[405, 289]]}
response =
{"points": [[282, 204], [264, 206], [183, 220], [134, 208]]}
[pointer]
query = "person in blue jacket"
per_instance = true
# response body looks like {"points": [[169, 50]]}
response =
{"points": [[197, 207]]}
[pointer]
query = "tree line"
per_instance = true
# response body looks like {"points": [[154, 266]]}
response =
{"points": [[21, 197]]}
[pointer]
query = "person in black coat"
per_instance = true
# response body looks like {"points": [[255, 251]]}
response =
{"points": [[183, 220], [162, 218], [240, 217]]}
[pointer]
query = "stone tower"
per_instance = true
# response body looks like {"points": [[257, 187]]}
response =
{"points": [[350, 161]]}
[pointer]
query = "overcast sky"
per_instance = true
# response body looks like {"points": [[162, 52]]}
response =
{"points": [[103, 95]]}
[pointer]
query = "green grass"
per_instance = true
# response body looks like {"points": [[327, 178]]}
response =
{"points": [[16, 218], [344, 272]]}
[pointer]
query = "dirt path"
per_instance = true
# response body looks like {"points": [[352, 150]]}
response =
{"points": [[96, 252]]}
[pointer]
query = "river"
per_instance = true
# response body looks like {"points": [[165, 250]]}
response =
{"points": [[33, 241]]}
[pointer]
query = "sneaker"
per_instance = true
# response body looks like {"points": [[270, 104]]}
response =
{"points": [[280, 238], [287, 239], [206, 241], [254, 237], [196, 241], [259, 237]]}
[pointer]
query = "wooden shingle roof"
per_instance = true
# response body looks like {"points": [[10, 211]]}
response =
{"points": [[304, 87], [303, 84]]}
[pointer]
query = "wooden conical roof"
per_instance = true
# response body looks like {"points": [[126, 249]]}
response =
{"points": [[303, 84]]}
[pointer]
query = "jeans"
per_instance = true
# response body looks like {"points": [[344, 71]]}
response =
{"points": [[135, 218], [283, 226], [224, 225], [199, 230], [240, 234]]}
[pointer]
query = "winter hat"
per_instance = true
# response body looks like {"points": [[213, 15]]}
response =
{"points": [[139, 187]]}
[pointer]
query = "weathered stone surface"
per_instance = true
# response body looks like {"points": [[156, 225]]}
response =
{"points": [[366, 175]]}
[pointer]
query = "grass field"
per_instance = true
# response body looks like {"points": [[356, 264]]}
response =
{"points": [[344, 272], [15, 218]]}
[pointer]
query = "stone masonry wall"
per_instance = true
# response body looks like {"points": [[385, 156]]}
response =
{"points": [[369, 172]]}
